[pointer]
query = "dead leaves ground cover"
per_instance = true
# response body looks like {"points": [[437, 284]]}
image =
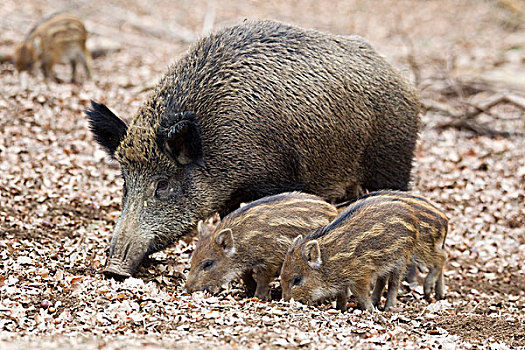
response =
{"points": [[60, 196]]}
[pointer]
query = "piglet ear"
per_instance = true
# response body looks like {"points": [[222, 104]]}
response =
{"points": [[224, 239], [312, 254], [200, 229], [294, 243], [215, 219], [297, 240], [183, 140], [108, 129]]}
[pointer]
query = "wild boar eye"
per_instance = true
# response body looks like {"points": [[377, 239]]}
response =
{"points": [[297, 280], [162, 187], [206, 265]]}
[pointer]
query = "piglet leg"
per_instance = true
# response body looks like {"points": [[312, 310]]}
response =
{"points": [[342, 299]]}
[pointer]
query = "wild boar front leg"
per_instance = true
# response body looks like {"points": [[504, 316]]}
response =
{"points": [[73, 63], [440, 283], [263, 279], [249, 283], [412, 273], [434, 279], [342, 300], [85, 59], [361, 290], [378, 290], [47, 69], [440, 286], [393, 286]]}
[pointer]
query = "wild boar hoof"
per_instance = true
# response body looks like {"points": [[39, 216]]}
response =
{"points": [[116, 273], [262, 297]]}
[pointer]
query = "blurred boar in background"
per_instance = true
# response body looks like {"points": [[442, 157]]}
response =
{"points": [[251, 242], [57, 38], [374, 238], [250, 111]]}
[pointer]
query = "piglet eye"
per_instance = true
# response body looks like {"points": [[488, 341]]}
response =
{"points": [[206, 265], [162, 187], [296, 281]]}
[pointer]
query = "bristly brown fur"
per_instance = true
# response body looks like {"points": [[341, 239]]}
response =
{"points": [[261, 234], [374, 238], [230, 78]]}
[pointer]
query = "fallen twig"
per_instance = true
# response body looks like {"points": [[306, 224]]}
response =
{"points": [[495, 100], [475, 127], [98, 52], [464, 120]]}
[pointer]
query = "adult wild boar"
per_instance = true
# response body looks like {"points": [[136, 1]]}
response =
{"points": [[254, 110]]}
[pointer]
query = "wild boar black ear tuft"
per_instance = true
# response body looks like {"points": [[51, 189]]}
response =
{"points": [[108, 129], [183, 141], [312, 254]]}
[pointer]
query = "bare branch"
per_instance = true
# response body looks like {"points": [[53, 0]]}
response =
{"points": [[464, 120]]}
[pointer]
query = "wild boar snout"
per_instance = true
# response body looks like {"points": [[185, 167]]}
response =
{"points": [[126, 254]]}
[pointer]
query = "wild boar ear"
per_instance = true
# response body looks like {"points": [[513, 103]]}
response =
{"points": [[297, 240], [200, 229], [224, 239], [183, 141], [294, 243], [108, 129], [312, 254], [215, 219]]}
